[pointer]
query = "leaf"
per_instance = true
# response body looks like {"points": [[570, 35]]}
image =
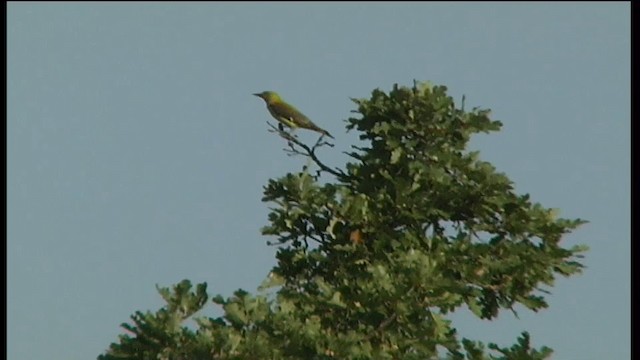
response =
{"points": [[395, 155], [475, 307], [356, 237], [336, 299], [272, 280]]}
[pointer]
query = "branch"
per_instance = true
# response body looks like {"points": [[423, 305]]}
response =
{"points": [[381, 327], [515, 313], [316, 239], [309, 152]]}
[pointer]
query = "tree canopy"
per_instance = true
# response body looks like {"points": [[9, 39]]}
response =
{"points": [[372, 260]]}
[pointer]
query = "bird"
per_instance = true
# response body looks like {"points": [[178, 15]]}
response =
{"points": [[287, 114]]}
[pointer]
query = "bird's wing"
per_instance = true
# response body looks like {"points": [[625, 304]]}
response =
{"points": [[290, 115]]}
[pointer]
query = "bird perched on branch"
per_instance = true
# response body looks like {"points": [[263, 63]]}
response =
{"points": [[288, 115]]}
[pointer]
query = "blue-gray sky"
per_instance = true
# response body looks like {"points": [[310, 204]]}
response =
{"points": [[137, 154]]}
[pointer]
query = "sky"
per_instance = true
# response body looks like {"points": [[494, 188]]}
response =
{"points": [[137, 155]]}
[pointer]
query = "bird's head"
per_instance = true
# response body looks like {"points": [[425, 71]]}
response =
{"points": [[268, 96]]}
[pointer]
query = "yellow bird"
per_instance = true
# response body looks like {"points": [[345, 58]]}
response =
{"points": [[288, 115]]}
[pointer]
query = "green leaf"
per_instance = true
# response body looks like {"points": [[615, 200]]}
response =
{"points": [[336, 299], [272, 280], [395, 155]]}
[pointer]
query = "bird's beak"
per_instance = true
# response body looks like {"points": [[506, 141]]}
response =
{"points": [[258, 95]]}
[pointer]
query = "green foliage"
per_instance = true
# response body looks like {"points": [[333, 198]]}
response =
{"points": [[437, 228], [162, 335]]}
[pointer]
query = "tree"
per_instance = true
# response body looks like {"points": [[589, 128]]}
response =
{"points": [[371, 262]]}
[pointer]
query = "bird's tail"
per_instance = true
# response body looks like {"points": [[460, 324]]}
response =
{"points": [[325, 132], [316, 128], [321, 131]]}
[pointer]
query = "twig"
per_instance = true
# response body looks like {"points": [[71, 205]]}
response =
{"points": [[515, 313], [308, 151], [316, 239], [381, 327]]}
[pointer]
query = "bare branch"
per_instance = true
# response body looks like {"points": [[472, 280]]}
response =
{"points": [[307, 151], [515, 313], [316, 239]]}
